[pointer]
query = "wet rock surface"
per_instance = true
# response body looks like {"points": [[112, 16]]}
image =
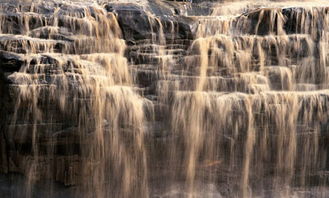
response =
{"points": [[128, 99]]}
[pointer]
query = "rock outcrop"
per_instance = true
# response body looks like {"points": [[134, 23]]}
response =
{"points": [[138, 99]]}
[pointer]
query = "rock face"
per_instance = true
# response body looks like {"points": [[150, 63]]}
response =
{"points": [[164, 98]]}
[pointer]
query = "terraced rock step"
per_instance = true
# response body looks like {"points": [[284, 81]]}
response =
{"points": [[161, 98]]}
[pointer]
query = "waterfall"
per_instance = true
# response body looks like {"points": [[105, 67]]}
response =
{"points": [[85, 82], [164, 98]]}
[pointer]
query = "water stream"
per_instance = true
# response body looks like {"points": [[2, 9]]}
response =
{"points": [[118, 99]]}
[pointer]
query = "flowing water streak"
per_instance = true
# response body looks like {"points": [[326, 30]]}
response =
{"points": [[93, 91], [247, 111], [244, 47]]}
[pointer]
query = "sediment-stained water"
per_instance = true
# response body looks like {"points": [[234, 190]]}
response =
{"points": [[164, 99]]}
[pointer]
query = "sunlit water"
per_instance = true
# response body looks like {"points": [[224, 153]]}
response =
{"points": [[243, 112]]}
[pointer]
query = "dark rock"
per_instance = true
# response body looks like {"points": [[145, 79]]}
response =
{"points": [[138, 24], [59, 136], [134, 22], [10, 62]]}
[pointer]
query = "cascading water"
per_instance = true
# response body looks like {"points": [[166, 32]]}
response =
{"points": [[73, 83], [164, 99]]}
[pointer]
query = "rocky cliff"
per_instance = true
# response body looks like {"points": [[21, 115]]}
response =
{"points": [[166, 99]]}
